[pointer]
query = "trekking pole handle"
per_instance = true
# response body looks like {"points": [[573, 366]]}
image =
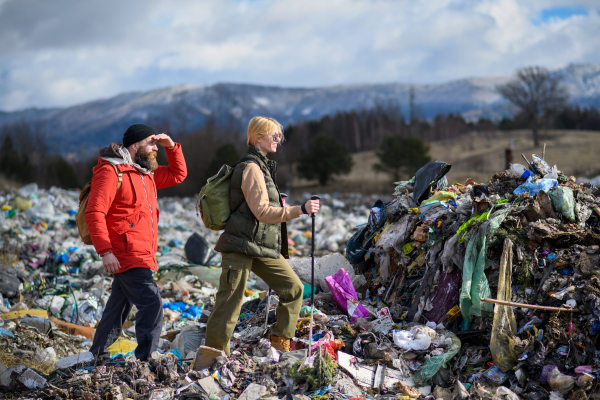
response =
{"points": [[314, 197]]}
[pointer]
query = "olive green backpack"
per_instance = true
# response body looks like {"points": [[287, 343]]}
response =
{"points": [[213, 201]]}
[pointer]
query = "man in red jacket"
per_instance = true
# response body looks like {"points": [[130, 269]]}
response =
{"points": [[123, 227]]}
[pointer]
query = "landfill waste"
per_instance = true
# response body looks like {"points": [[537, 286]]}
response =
{"points": [[437, 290]]}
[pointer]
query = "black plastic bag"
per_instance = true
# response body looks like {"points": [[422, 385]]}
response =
{"points": [[429, 177], [357, 249], [354, 249], [9, 283], [197, 249]]}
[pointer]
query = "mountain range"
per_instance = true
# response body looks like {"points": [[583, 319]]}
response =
{"points": [[186, 107]]}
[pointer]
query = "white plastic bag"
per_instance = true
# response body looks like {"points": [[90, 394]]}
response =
{"points": [[418, 338]]}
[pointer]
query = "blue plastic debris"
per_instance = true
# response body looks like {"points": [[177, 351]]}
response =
{"points": [[187, 310], [6, 333], [176, 352], [175, 243], [533, 188]]}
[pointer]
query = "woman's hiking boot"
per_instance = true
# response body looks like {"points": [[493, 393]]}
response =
{"points": [[280, 343]]}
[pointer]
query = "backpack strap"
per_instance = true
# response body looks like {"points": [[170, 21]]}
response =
{"points": [[243, 201], [119, 176]]}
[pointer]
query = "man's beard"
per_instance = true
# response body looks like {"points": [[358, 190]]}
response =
{"points": [[146, 160]]}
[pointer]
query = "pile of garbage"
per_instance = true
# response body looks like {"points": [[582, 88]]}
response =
{"points": [[443, 291], [508, 268]]}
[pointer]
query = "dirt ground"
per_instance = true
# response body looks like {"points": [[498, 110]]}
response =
{"points": [[479, 155]]}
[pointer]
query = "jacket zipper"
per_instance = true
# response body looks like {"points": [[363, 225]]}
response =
{"points": [[150, 207]]}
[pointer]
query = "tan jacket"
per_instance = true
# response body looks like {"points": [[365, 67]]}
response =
{"points": [[255, 193]]}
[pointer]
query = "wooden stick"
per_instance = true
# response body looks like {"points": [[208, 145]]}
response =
{"points": [[527, 161], [544, 153], [535, 307]]}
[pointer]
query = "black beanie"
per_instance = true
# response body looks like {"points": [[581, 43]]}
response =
{"points": [[135, 133]]}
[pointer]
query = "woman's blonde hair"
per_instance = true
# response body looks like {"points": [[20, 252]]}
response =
{"points": [[263, 126]]}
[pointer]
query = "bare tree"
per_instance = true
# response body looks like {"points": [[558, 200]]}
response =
{"points": [[534, 91]]}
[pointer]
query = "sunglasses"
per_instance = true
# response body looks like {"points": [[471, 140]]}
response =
{"points": [[275, 137]]}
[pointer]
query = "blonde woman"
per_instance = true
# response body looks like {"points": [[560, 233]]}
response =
{"points": [[255, 239]]}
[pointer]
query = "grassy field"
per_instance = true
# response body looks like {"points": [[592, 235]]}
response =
{"points": [[479, 155]]}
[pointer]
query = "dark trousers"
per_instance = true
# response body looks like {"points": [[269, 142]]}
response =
{"points": [[134, 286]]}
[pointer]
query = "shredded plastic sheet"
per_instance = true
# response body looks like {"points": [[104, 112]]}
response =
{"points": [[462, 231], [475, 285], [423, 375], [441, 195], [504, 343]]}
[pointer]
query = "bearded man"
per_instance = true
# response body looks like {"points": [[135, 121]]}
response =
{"points": [[123, 226]]}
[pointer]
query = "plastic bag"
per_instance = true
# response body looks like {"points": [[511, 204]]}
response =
{"points": [[534, 187], [361, 242], [563, 201], [355, 251], [433, 364], [561, 382], [344, 295], [504, 346], [429, 177], [418, 338], [475, 285], [189, 339]]}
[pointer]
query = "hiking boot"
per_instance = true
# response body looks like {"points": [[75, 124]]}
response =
{"points": [[280, 343]]}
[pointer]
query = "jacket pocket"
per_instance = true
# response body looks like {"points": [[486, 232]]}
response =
{"points": [[233, 272], [136, 233], [234, 240], [128, 223]]}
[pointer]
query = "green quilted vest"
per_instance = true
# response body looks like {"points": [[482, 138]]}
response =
{"points": [[243, 232]]}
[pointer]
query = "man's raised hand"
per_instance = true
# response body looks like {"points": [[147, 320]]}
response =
{"points": [[164, 140]]}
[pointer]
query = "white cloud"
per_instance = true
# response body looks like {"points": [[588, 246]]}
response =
{"points": [[65, 52]]}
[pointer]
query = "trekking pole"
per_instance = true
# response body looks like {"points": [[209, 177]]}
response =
{"points": [[312, 278], [268, 308]]}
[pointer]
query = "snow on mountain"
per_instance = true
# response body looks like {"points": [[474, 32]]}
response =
{"points": [[187, 107]]}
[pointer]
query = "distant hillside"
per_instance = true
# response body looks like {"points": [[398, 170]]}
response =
{"points": [[479, 155], [187, 107]]}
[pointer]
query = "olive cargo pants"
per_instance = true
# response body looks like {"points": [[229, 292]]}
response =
{"points": [[276, 273]]}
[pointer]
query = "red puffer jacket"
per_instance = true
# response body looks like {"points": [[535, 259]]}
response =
{"points": [[128, 224]]}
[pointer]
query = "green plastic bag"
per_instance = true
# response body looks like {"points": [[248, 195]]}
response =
{"points": [[563, 201], [475, 285], [432, 365]]}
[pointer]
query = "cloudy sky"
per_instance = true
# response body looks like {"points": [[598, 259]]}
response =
{"points": [[64, 52]]}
